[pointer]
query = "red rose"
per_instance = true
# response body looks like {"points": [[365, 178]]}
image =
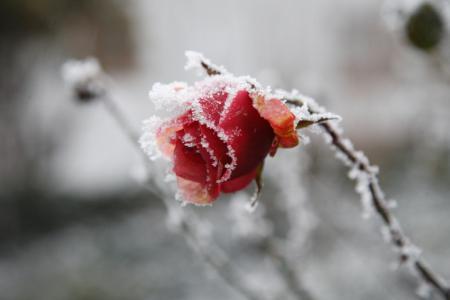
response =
{"points": [[222, 138]]}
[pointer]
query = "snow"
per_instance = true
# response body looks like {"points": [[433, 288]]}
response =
{"points": [[194, 62], [210, 151], [148, 140], [76, 72], [171, 99], [83, 76]]}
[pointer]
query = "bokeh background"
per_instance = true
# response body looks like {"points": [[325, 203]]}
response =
{"points": [[76, 224]]}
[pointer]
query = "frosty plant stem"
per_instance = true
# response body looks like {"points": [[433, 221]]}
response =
{"points": [[368, 186]]}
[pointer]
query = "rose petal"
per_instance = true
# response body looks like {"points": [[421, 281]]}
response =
{"points": [[203, 145], [193, 192], [212, 106], [238, 183], [280, 118], [249, 135], [166, 133], [213, 170], [188, 163], [217, 146]]}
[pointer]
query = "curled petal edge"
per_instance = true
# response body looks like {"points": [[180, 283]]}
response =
{"points": [[281, 119]]}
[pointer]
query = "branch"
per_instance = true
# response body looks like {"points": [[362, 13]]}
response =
{"points": [[356, 160]]}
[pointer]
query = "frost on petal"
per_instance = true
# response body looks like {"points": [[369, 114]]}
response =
{"points": [[222, 105], [171, 99], [203, 149], [165, 134], [188, 163], [249, 135], [214, 145], [280, 118], [214, 134], [211, 107], [238, 183], [148, 140], [193, 192]]}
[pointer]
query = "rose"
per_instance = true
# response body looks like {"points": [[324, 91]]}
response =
{"points": [[220, 141]]}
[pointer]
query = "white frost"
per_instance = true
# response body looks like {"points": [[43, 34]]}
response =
{"points": [[77, 72], [171, 99], [195, 59], [148, 139], [83, 75]]}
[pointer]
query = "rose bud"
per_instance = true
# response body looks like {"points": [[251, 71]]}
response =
{"points": [[220, 138]]}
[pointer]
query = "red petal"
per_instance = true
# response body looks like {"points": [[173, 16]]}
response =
{"points": [[188, 163], [238, 183], [217, 146], [211, 149], [212, 106], [212, 172], [194, 192], [281, 119], [249, 135], [166, 133]]}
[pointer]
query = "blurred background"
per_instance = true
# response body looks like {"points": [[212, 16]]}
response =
{"points": [[76, 224]]}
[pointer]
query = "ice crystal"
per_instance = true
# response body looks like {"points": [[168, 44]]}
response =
{"points": [[148, 140], [195, 60]]}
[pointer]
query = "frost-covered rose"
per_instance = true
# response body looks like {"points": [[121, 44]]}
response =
{"points": [[216, 133]]}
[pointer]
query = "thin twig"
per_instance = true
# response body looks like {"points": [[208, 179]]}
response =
{"points": [[398, 238]]}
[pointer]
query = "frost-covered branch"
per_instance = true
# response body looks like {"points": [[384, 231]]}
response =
{"points": [[367, 185]]}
